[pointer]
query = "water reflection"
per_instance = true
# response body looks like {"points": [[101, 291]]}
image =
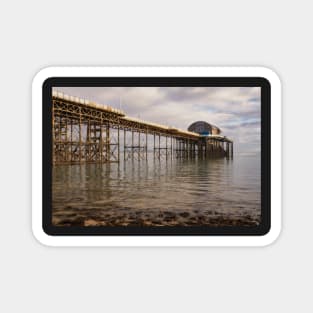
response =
{"points": [[190, 191]]}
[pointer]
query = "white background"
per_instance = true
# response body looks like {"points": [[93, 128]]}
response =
{"points": [[36, 34]]}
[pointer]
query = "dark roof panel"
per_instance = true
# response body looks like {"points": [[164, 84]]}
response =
{"points": [[202, 127]]}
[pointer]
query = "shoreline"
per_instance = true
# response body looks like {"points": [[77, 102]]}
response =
{"points": [[149, 217]]}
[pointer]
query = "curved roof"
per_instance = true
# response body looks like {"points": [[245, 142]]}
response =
{"points": [[202, 127]]}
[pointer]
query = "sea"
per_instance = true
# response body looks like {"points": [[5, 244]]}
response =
{"points": [[159, 192]]}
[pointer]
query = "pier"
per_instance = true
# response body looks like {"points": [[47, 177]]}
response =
{"points": [[87, 132]]}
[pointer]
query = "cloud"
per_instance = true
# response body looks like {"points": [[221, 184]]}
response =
{"points": [[236, 110]]}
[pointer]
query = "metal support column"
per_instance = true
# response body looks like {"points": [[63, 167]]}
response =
{"points": [[171, 147], [124, 144], [118, 143], [154, 145], [80, 136], [146, 144], [101, 143], [108, 143], [166, 147], [132, 147], [139, 148], [159, 155]]}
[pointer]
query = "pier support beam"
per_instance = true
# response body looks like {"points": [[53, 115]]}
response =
{"points": [[118, 143], [108, 150], [146, 144], [124, 144]]}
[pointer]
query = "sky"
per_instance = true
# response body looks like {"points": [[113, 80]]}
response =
{"points": [[235, 110]]}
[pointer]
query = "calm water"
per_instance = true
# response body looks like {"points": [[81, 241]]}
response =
{"points": [[214, 187]]}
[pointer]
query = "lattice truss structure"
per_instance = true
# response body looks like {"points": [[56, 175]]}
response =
{"points": [[81, 135], [186, 149], [162, 146], [135, 144]]}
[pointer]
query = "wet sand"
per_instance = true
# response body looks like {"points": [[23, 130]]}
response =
{"points": [[148, 217]]}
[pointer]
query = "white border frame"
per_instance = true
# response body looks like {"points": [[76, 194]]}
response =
{"points": [[45, 239]]}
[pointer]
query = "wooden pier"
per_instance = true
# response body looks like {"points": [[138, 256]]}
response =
{"points": [[87, 132]]}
